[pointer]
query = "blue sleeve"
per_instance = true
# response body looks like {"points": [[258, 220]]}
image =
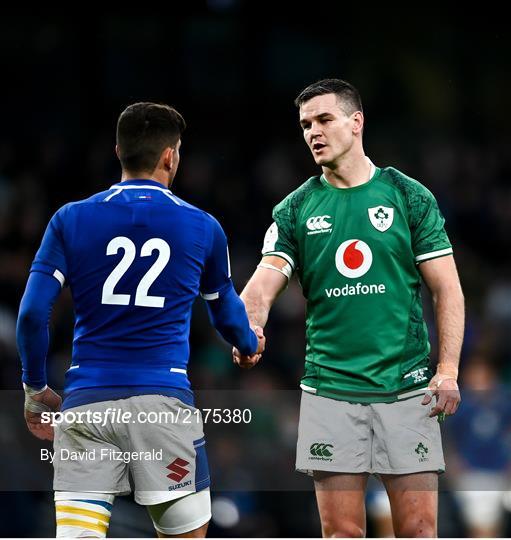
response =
{"points": [[217, 269], [50, 258], [32, 327], [226, 310], [229, 317]]}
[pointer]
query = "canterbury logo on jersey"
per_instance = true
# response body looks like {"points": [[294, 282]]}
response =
{"points": [[318, 224]]}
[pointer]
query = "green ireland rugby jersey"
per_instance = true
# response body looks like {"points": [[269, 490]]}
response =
{"points": [[356, 252]]}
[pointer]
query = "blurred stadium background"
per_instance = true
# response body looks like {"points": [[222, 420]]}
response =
{"points": [[436, 97]]}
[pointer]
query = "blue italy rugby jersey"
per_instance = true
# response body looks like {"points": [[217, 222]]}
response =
{"points": [[135, 257]]}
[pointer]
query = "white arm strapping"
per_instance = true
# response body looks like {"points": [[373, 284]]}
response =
{"points": [[286, 271], [31, 404], [31, 391]]}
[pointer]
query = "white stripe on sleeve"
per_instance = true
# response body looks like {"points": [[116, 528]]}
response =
{"points": [[210, 296], [433, 254], [59, 276]]}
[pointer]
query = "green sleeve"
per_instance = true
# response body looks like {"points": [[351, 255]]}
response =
{"points": [[280, 238], [429, 239]]}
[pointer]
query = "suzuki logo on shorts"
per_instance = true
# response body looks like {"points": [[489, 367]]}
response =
{"points": [[353, 258], [177, 468], [319, 224]]}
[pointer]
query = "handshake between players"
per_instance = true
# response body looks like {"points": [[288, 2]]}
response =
{"points": [[245, 361]]}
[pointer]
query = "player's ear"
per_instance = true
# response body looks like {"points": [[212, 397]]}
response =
{"points": [[358, 122], [168, 157], [117, 151]]}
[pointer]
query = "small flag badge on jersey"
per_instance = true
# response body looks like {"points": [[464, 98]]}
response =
{"points": [[381, 217], [144, 197]]}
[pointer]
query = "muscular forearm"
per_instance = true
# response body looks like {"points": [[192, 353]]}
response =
{"points": [[258, 308], [261, 291], [256, 303], [450, 314]]}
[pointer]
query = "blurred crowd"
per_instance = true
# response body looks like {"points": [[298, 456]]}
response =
{"points": [[242, 153]]}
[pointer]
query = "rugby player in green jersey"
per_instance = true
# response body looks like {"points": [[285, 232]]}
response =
{"points": [[360, 238]]}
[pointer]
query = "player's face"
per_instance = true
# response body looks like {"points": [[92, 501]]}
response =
{"points": [[327, 129]]}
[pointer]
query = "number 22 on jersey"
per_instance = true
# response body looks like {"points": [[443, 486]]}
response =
{"points": [[142, 298]]}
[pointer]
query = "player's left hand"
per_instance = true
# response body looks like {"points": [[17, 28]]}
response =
{"points": [[447, 394], [52, 402]]}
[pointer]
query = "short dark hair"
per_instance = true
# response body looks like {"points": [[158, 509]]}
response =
{"points": [[346, 93], [144, 130]]}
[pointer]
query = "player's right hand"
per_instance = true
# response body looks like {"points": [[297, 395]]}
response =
{"points": [[447, 397], [53, 402], [261, 340], [247, 362]]}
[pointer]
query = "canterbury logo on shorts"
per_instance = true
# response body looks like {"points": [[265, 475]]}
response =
{"points": [[321, 450]]}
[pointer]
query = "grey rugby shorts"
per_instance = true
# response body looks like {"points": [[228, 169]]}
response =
{"points": [[380, 438], [165, 457]]}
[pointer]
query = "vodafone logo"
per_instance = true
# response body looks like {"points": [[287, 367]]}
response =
{"points": [[353, 258]]}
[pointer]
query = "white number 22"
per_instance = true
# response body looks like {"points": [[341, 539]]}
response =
{"points": [[130, 251]]}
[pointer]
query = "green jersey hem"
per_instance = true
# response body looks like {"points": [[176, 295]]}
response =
{"points": [[368, 397]]}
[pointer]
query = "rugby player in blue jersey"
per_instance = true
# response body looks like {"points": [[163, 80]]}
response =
{"points": [[135, 257]]}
